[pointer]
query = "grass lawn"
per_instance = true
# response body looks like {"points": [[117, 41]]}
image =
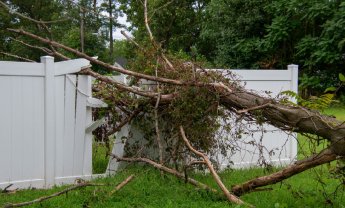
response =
{"points": [[149, 189], [338, 112]]}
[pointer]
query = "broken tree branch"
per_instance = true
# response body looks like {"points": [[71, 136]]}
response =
{"points": [[98, 62], [17, 57], [167, 170], [122, 184], [44, 49], [231, 197], [44, 198], [147, 22], [151, 36], [323, 157]]}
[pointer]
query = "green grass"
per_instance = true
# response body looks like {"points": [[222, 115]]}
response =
{"points": [[338, 112], [313, 188], [150, 189], [306, 146], [100, 158]]}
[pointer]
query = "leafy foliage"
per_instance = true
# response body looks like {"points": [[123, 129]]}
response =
{"points": [[176, 25], [273, 34], [65, 17]]}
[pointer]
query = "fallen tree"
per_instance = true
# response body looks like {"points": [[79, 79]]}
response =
{"points": [[181, 86]]}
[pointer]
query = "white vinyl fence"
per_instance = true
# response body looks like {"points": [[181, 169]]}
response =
{"points": [[268, 144], [277, 147], [46, 123], [44, 118]]}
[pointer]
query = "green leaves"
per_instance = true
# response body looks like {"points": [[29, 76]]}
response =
{"points": [[314, 102], [330, 89], [341, 77]]}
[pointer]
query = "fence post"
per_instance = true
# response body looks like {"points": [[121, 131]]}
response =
{"points": [[294, 78], [49, 120], [294, 88], [87, 167]]}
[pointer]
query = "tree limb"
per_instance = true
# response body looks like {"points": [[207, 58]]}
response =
{"points": [[41, 199], [98, 62], [165, 169], [229, 196], [323, 157], [17, 57], [122, 184]]}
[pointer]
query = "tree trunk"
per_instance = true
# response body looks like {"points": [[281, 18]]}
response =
{"points": [[292, 118], [82, 29], [111, 28]]}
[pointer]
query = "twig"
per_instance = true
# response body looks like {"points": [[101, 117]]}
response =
{"points": [[254, 108], [165, 169], [231, 197], [151, 36], [51, 52], [119, 85], [44, 49], [15, 56], [6, 191], [161, 7], [158, 138], [124, 122], [146, 21], [132, 40], [38, 200], [122, 184]]}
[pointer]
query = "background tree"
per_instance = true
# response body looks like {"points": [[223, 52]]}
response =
{"points": [[61, 20], [233, 31], [176, 25], [272, 34]]}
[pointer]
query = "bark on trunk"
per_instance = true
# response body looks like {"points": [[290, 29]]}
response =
{"points": [[300, 166], [287, 117]]}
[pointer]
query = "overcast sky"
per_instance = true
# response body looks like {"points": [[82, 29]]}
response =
{"points": [[117, 33]]}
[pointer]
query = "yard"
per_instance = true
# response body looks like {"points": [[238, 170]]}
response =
{"points": [[313, 188]]}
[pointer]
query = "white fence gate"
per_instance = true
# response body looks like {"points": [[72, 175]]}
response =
{"points": [[44, 115], [274, 140]]}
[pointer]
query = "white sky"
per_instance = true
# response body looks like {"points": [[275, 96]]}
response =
{"points": [[117, 33]]}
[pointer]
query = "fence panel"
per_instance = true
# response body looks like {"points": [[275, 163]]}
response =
{"points": [[21, 140], [277, 147], [43, 117], [267, 145]]}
